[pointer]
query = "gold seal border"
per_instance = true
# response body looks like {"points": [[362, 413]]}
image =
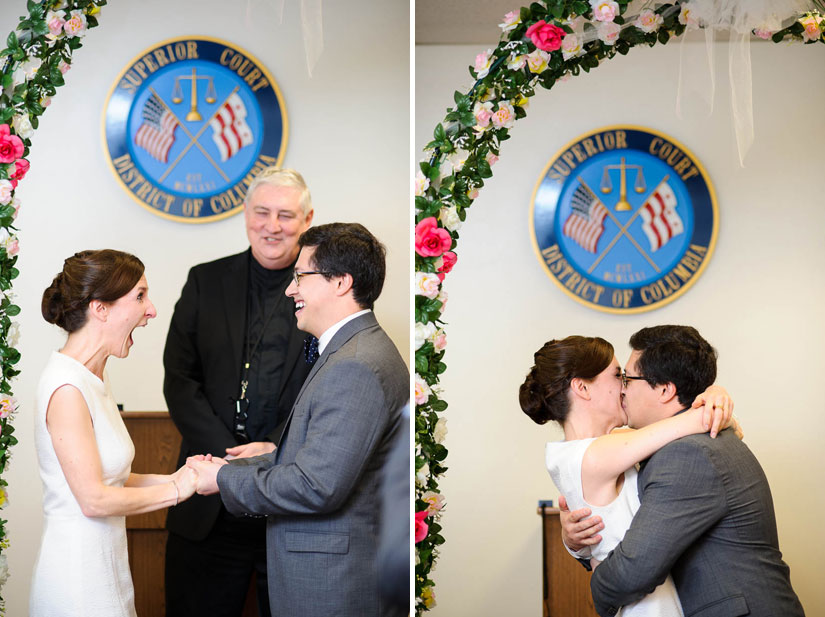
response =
{"points": [[680, 291], [284, 139]]}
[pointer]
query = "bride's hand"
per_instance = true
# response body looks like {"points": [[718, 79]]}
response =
{"points": [[717, 409], [186, 480]]}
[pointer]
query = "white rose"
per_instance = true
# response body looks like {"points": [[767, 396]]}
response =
{"points": [[5, 191], [422, 183], [13, 335], [423, 475], [23, 126], [4, 570], [27, 70], [570, 46], [426, 284], [423, 331], [609, 32], [448, 215], [440, 430]]}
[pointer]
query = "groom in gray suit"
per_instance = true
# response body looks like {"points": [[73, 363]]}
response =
{"points": [[320, 488], [706, 512]]}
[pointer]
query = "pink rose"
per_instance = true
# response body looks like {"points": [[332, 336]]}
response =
{"points": [[21, 168], [430, 239], [64, 67], [11, 146], [13, 247], [55, 22], [545, 36], [448, 260], [763, 33], [440, 340], [491, 158], [420, 526], [483, 113], [605, 10]]}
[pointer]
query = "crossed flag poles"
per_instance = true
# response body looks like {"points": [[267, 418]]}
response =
{"points": [[193, 140], [622, 228]]}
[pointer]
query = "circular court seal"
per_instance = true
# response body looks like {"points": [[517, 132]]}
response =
{"points": [[188, 125], [624, 219]]}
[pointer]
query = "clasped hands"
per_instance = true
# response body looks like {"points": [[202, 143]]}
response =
{"points": [[206, 466]]}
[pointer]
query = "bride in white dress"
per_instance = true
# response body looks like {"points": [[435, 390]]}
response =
{"points": [[83, 448], [577, 382]]}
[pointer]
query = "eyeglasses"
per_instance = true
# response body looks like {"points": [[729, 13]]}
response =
{"points": [[625, 378], [297, 276]]}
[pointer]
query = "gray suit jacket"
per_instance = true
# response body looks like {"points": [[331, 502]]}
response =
{"points": [[321, 488], [707, 518]]}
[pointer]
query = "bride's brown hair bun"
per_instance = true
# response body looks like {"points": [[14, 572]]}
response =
{"points": [[543, 395], [104, 275]]}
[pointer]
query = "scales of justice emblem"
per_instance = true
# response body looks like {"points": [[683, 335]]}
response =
{"points": [[188, 125], [624, 219]]}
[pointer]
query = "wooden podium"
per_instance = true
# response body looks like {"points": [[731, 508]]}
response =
{"points": [[566, 582], [157, 444]]}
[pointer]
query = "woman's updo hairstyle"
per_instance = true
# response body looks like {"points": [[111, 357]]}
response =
{"points": [[543, 395], [104, 275]]}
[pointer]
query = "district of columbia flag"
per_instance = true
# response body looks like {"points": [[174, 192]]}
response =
{"points": [[660, 221], [157, 132], [230, 132], [586, 223]]}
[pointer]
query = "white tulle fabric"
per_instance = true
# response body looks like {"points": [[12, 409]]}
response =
{"points": [[739, 18], [82, 569], [311, 24]]}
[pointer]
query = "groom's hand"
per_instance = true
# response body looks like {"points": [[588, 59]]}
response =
{"points": [[207, 473], [247, 450], [577, 530]]}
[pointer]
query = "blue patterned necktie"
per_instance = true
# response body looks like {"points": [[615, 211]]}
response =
{"points": [[310, 349]]}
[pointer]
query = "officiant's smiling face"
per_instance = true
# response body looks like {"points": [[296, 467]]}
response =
{"points": [[134, 310], [274, 221]]}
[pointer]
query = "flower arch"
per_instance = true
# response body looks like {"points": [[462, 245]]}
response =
{"points": [[540, 45], [37, 55]]}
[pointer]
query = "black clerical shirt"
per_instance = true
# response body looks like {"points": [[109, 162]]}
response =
{"points": [[269, 320]]}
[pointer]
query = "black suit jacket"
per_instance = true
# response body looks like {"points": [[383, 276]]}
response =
{"points": [[202, 362], [706, 517]]}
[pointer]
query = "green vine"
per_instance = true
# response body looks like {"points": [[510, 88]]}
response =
{"points": [[37, 55], [540, 45]]}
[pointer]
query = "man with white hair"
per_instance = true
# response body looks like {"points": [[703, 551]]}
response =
{"points": [[234, 364]]}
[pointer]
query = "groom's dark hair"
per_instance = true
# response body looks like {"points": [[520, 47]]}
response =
{"points": [[677, 355], [349, 248]]}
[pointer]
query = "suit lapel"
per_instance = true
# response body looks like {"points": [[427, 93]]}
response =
{"points": [[294, 355], [234, 284], [350, 329]]}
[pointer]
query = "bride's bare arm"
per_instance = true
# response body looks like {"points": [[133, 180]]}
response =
{"points": [[609, 456], [73, 437]]}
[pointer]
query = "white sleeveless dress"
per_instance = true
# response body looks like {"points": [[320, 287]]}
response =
{"points": [[564, 462], [82, 569]]}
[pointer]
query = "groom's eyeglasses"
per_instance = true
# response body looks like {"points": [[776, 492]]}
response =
{"points": [[625, 378], [297, 275]]}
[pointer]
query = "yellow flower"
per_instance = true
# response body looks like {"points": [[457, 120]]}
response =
{"points": [[428, 596]]}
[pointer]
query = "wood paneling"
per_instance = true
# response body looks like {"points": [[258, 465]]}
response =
{"points": [[566, 582], [157, 443]]}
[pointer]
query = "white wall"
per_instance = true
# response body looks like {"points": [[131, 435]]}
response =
{"points": [[759, 302], [348, 134]]}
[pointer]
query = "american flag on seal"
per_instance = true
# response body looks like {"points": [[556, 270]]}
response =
{"points": [[660, 221], [586, 223], [157, 132], [230, 132]]}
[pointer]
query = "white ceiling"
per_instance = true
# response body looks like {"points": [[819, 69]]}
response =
{"points": [[457, 22]]}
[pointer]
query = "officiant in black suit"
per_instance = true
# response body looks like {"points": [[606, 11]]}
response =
{"points": [[234, 362]]}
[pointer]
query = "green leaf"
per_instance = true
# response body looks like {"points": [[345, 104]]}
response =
{"points": [[439, 405], [12, 310], [11, 40]]}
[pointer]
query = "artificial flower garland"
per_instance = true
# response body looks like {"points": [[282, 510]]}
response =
{"points": [[38, 54], [541, 44]]}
